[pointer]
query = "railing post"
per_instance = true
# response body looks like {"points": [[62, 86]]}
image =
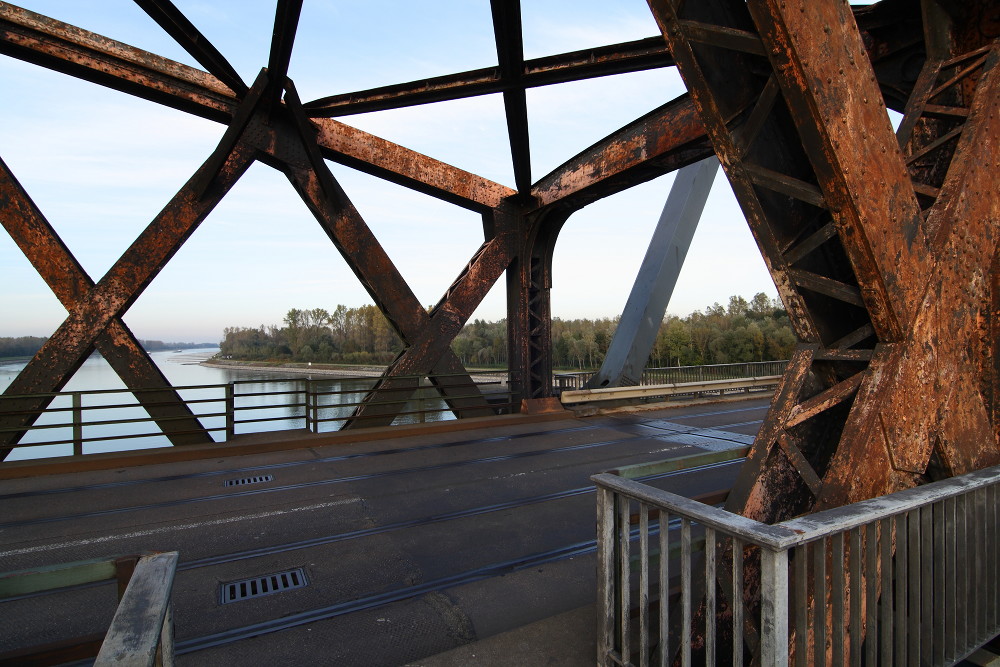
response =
{"points": [[773, 607], [605, 574], [230, 411], [77, 424], [310, 400], [166, 654]]}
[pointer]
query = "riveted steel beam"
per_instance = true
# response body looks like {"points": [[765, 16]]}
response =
{"points": [[291, 145], [56, 265], [894, 43], [661, 141], [510, 54], [286, 22], [936, 410], [424, 353], [377, 273], [529, 310], [634, 56], [166, 14], [101, 306], [892, 388], [86, 55], [392, 162], [853, 150]]}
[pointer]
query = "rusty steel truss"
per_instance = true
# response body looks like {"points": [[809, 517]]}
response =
{"points": [[882, 244]]}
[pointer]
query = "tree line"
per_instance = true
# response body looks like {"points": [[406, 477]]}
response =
{"points": [[22, 346], [344, 335], [754, 330]]}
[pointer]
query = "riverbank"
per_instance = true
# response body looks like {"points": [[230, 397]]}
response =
{"points": [[296, 368], [333, 371]]}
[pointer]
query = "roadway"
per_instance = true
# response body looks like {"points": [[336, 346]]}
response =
{"points": [[410, 546]]}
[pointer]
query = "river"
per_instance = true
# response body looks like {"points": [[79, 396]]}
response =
{"points": [[183, 368]]}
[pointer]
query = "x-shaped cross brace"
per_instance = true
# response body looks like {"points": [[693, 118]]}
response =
{"points": [[99, 309], [427, 335], [284, 138], [69, 282]]}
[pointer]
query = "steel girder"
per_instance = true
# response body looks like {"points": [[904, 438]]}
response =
{"points": [[885, 279], [860, 286], [883, 245]]}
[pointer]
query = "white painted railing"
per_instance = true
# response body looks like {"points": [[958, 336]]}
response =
{"points": [[908, 579]]}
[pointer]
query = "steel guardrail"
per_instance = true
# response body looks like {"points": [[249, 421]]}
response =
{"points": [[908, 578]]}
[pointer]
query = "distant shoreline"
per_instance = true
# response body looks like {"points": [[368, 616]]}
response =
{"points": [[328, 370], [298, 368]]}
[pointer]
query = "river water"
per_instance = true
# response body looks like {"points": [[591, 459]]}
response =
{"points": [[182, 369]]}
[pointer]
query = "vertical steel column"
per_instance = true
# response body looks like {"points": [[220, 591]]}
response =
{"points": [[230, 401], [640, 322], [529, 320]]}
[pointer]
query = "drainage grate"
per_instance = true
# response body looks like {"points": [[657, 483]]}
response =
{"points": [[244, 589], [249, 480]]}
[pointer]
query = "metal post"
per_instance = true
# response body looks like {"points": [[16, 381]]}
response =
{"points": [[230, 411], [77, 424], [640, 322], [773, 607], [166, 654], [605, 574], [310, 401]]}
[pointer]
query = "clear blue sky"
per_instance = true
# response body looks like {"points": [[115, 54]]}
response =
{"points": [[101, 164]]}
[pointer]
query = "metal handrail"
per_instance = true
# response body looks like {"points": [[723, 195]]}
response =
{"points": [[908, 578], [700, 388], [301, 397], [142, 630], [673, 374]]}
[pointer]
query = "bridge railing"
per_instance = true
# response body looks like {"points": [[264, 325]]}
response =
{"points": [[676, 374], [85, 422], [95, 421], [142, 630], [908, 578], [661, 391]]}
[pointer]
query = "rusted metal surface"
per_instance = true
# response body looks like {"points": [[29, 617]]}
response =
{"points": [[663, 140], [882, 247], [634, 56], [848, 245], [65, 48], [510, 54], [380, 157], [885, 275], [292, 146], [188, 36], [93, 312], [68, 281]]}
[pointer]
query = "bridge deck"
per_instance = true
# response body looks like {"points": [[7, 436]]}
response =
{"points": [[410, 546]]}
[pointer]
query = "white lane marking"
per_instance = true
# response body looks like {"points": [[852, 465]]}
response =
{"points": [[168, 529]]}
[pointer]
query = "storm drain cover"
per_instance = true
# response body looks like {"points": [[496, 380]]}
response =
{"points": [[244, 589], [249, 480]]}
